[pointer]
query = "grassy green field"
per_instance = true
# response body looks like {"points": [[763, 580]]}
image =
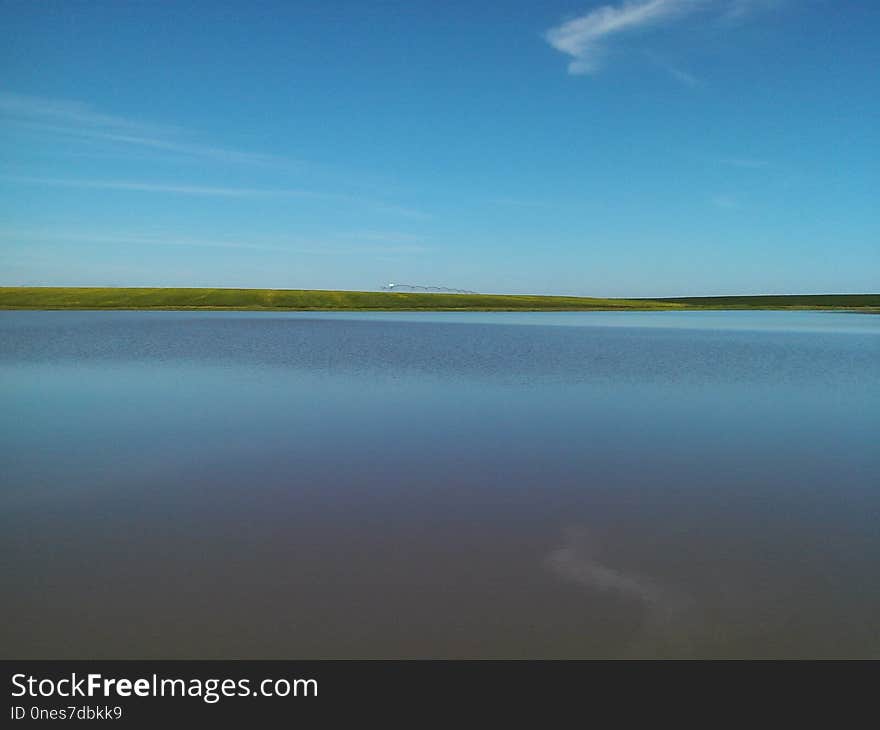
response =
{"points": [[297, 299], [783, 301]]}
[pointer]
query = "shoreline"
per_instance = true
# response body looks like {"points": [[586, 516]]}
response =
{"points": [[851, 310], [305, 300]]}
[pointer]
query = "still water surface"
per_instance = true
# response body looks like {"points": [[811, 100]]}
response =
{"points": [[702, 484]]}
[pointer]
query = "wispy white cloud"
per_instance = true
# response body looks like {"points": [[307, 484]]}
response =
{"points": [[682, 76], [134, 186], [685, 78], [72, 113], [214, 191], [327, 245], [74, 119], [585, 38]]}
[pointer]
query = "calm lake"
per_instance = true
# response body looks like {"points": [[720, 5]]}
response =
{"points": [[461, 485]]}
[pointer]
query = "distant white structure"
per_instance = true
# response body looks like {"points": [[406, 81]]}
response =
{"points": [[392, 286]]}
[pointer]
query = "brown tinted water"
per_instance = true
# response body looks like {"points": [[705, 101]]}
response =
{"points": [[701, 484]]}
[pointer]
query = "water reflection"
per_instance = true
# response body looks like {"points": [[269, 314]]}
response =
{"points": [[193, 485]]}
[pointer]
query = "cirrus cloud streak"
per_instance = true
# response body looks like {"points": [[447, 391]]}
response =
{"points": [[586, 37]]}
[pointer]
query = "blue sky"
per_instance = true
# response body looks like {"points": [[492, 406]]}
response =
{"points": [[643, 148]]}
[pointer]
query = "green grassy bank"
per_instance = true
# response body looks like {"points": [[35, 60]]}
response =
{"points": [[295, 299]]}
